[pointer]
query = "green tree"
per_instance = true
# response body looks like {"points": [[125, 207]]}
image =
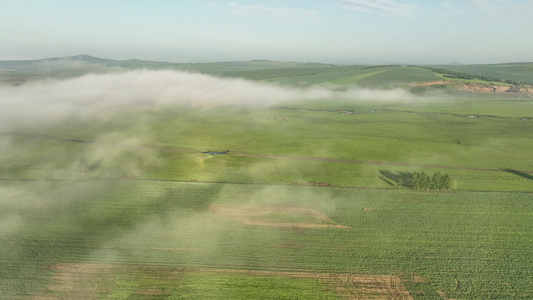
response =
{"points": [[446, 182], [437, 181], [400, 182], [421, 181], [83, 166], [425, 181]]}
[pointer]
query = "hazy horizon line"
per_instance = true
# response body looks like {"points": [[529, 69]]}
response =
{"points": [[456, 62]]}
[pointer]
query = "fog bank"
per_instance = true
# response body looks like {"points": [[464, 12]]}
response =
{"points": [[97, 95]]}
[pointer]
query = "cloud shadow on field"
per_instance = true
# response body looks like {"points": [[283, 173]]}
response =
{"points": [[70, 222], [518, 173]]}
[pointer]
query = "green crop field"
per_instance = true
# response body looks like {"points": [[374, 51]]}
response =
{"points": [[465, 244], [296, 199], [512, 71]]}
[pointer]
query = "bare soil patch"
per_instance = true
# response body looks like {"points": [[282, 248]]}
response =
{"points": [[443, 295], [95, 281], [420, 280], [275, 216], [438, 82], [346, 286]]}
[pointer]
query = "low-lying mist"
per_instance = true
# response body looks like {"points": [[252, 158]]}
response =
{"points": [[146, 191], [97, 96]]}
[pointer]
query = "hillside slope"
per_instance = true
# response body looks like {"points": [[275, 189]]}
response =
{"points": [[495, 78]]}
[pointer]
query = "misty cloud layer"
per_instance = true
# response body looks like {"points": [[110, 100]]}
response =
{"points": [[98, 95]]}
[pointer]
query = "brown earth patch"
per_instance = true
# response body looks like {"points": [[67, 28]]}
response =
{"points": [[255, 215], [495, 89], [96, 281], [420, 280], [484, 88], [439, 82], [378, 287], [443, 295], [346, 286]]}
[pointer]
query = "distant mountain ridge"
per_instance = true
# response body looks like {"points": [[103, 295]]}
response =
{"points": [[71, 62], [88, 61], [82, 58], [93, 60]]}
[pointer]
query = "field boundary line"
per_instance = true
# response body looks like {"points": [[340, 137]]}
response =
{"points": [[247, 183], [229, 153]]}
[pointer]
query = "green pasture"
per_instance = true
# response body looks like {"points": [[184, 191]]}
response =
{"points": [[483, 145], [394, 76], [286, 73], [383, 77], [518, 71]]}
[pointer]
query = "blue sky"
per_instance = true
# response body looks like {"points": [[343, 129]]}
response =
{"points": [[331, 31]]}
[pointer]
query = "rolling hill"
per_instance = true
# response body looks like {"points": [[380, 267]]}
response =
{"points": [[490, 78]]}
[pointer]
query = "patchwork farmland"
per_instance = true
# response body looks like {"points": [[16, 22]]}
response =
{"points": [[306, 198]]}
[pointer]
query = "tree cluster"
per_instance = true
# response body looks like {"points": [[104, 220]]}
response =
{"points": [[437, 182]]}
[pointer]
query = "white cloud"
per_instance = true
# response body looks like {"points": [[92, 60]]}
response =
{"points": [[283, 13], [99, 96], [211, 4], [493, 5], [381, 6], [452, 7], [508, 10]]}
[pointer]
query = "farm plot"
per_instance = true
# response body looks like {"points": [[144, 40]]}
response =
{"points": [[464, 245], [300, 142], [275, 216], [293, 204], [90, 281]]}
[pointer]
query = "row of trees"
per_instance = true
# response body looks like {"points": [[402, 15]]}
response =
{"points": [[437, 182]]}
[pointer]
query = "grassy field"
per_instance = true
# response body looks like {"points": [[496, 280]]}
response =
{"points": [[295, 200], [512, 71], [288, 73], [479, 143]]}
